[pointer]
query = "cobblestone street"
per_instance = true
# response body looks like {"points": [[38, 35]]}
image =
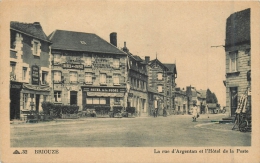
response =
{"points": [[175, 130]]}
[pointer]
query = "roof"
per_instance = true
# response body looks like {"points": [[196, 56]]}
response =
{"points": [[31, 29], [202, 93], [160, 63], [238, 28], [171, 67], [79, 41], [137, 58]]}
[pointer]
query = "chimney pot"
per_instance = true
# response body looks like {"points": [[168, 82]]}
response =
{"points": [[113, 38], [147, 59]]}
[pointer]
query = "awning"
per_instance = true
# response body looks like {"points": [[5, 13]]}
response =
{"points": [[36, 87], [104, 94]]}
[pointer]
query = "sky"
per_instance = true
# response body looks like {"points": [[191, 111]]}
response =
{"points": [[178, 32]]}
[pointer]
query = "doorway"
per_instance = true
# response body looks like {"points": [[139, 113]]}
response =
{"points": [[233, 100], [73, 97], [15, 104], [37, 101]]}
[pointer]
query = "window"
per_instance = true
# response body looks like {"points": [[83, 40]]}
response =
{"points": [[25, 100], [233, 61], [116, 79], [97, 100], [57, 96], [73, 77], [12, 71], [56, 58], [88, 78], [103, 78], [24, 73], [117, 101], [159, 76], [44, 77], [116, 63], [88, 61], [57, 76], [159, 88], [35, 48]]}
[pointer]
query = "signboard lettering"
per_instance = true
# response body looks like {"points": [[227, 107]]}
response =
{"points": [[111, 90], [35, 75], [73, 66]]}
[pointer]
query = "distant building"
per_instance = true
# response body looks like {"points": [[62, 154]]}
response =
{"points": [[238, 59], [202, 100], [30, 71], [88, 71], [180, 101]]}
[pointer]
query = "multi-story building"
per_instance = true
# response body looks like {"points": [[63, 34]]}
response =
{"points": [[137, 77], [30, 71], [180, 101], [162, 79], [88, 71], [202, 100], [238, 59], [192, 95]]}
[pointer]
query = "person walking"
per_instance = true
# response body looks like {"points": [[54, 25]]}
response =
{"points": [[194, 113]]}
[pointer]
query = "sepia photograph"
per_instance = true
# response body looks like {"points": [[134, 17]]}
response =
{"points": [[129, 81]]}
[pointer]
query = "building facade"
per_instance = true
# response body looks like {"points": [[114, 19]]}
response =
{"points": [[137, 76], [88, 71], [180, 101], [238, 59], [30, 71], [162, 79]]}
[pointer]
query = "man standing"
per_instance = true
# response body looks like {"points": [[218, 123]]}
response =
{"points": [[195, 112]]}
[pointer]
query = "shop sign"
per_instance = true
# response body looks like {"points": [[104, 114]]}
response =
{"points": [[73, 66], [35, 75], [36, 88], [96, 89], [16, 86]]}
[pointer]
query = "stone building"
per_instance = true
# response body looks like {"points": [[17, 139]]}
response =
{"points": [[238, 59], [137, 76], [180, 101], [88, 71], [161, 77], [30, 71]]}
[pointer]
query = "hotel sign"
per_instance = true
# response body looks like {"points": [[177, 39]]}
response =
{"points": [[73, 66], [111, 90], [35, 75]]}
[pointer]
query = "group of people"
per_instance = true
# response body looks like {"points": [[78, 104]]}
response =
{"points": [[155, 112]]}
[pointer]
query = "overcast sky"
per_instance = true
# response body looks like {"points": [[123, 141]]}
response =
{"points": [[181, 31]]}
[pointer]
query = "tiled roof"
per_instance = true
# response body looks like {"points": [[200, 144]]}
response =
{"points": [[202, 93], [160, 63], [32, 29], [137, 58], [79, 41], [171, 67], [238, 28]]}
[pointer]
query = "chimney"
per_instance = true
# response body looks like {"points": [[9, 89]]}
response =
{"points": [[113, 38], [125, 48], [147, 59]]}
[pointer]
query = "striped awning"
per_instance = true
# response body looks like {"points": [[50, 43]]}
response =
{"points": [[105, 94]]}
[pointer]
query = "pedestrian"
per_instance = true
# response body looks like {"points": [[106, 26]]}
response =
{"points": [[194, 113], [164, 112]]}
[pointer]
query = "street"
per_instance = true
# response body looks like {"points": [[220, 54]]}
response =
{"points": [[174, 130]]}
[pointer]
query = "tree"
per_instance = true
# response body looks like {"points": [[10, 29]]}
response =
{"points": [[211, 97]]}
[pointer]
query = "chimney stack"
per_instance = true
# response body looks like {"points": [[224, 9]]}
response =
{"points": [[125, 48], [113, 38], [147, 59]]}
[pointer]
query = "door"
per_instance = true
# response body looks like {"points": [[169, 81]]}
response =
{"points": [[37, 101], [15, 104], [233, 100], [73, 97]]}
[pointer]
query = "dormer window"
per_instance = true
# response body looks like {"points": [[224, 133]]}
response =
{"points": [[83, 42]]}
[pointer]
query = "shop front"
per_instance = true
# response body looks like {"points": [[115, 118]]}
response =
{"points": [[103, 99], [15, 88]]}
